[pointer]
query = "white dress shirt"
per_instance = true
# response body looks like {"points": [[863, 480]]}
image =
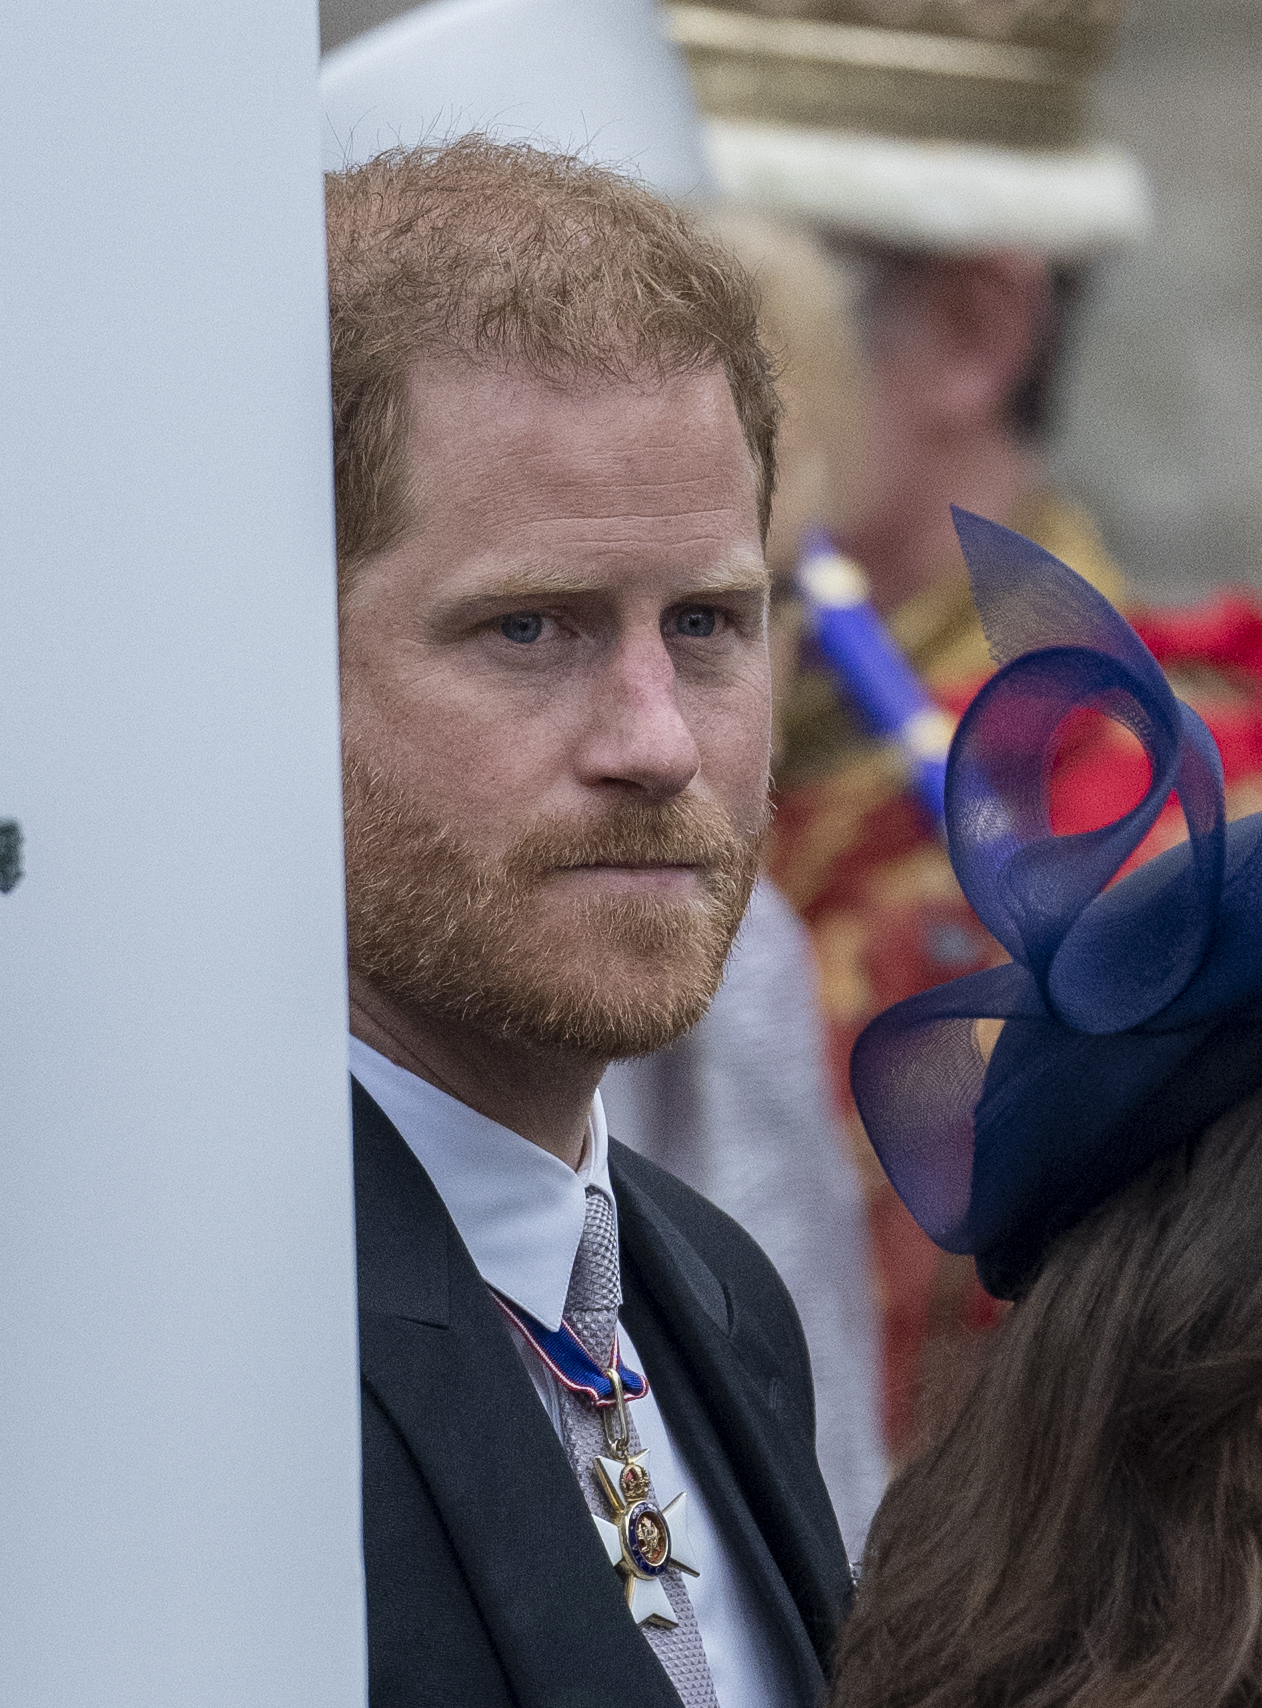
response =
{"points": [[520, 1210]]}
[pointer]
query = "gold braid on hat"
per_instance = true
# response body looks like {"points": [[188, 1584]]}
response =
{"points": [[1011, 73]]}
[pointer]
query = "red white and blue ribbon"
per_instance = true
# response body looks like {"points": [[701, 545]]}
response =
{"points": [[570, 1361]]}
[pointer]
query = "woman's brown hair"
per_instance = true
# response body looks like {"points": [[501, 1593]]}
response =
{"points": [[1088, 1532]]}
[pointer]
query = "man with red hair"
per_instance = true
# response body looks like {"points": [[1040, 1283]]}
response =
{"points": [[555, 453]]}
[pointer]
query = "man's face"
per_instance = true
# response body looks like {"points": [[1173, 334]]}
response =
{"points": [[556, 710]]}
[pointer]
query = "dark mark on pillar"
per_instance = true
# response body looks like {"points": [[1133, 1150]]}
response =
{"points": [[10, 854]]}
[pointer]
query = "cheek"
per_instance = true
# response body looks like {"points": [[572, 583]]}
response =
{"points": [[466, 757], [733, 735]]}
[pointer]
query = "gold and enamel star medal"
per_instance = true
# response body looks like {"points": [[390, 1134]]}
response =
{"points": [[643, 1541]]}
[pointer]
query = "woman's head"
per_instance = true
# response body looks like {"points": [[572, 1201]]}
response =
{"points": [[1089, 1531]]}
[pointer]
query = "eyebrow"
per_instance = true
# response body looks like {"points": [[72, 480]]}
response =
{"points": [[544, 583]]}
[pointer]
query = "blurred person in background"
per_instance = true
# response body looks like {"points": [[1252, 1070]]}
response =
{"points": [[1088, 1533], [741, 1108], [942, 152]]}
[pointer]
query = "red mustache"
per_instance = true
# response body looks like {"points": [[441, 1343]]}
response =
{"points": [[682, 833]]}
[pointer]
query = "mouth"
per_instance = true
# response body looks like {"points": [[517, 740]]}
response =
{"points": [[634, 866], [631, 875]]}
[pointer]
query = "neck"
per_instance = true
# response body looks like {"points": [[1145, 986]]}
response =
{"points": [[546, 1096], [907, 539]]}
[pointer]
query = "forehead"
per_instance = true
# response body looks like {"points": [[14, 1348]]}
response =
{"points": [[498, 453]]}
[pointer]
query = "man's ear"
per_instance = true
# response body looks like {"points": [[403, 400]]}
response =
{"points": [[960, 333]]}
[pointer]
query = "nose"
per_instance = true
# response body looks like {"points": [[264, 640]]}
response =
{"points": [[637, 739]]}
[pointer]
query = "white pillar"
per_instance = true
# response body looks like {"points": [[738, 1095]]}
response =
{"points": [[179, 1446]]}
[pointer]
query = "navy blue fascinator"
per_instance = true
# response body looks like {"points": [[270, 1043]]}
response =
{"points": [[1133, 1011]]}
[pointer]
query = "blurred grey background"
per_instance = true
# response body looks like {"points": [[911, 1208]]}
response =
{"points": [[1162, 420], [1161, 423]]}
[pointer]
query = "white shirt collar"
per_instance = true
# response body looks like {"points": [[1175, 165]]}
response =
{"points": [[518, 1208]]}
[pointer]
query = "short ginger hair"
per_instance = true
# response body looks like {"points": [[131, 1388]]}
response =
{"points": [[500, 253]]}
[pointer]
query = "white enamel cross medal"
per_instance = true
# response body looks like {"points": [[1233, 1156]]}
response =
{"points": [[643, 1541]]}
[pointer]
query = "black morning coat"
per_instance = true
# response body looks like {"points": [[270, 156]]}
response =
{"points": [[488, 1585]]}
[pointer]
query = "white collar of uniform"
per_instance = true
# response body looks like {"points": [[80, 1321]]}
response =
{"points": [[518, 1208]]}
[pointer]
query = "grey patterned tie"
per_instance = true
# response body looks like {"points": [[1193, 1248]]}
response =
{"points": [[591, 1309]]}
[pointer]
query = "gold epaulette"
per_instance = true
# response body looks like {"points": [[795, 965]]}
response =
{"points": [[839, 773], [938, 628]]}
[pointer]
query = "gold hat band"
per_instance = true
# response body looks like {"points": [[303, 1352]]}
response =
{"points": [[902, 83]]}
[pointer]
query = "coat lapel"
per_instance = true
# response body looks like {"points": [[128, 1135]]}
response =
{"points": [[436, 1354], [761, 1478]]}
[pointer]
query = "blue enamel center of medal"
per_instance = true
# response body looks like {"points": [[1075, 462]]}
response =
{"points": [[641, 1510]]}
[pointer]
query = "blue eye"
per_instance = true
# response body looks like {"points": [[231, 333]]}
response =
{"points": [[522, 627], [696, 624]]}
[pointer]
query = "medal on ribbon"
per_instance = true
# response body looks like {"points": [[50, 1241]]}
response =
{"points": [[642, 1540]]}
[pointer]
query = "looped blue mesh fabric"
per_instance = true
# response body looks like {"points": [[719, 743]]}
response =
{"points": [[1133, 1012]]}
